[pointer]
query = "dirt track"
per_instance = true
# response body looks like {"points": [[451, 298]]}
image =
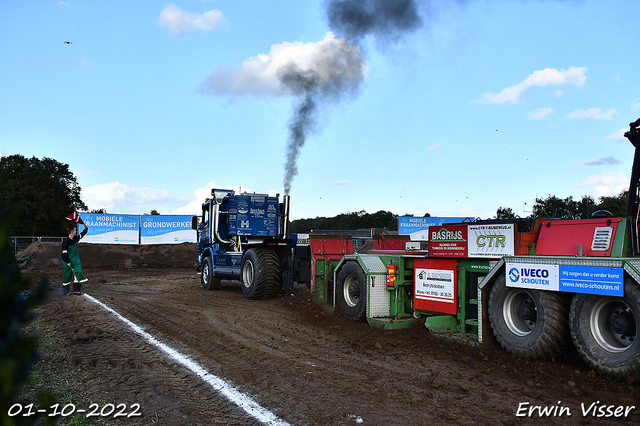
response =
{"points": [[306, 365]]}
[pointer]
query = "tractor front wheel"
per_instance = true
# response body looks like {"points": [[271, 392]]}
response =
{"points": [[208, 280]]}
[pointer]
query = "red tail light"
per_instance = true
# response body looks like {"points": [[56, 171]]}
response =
{"points": [[391, 276]]}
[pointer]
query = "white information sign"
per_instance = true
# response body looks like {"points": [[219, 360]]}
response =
{"points": [[435, 284], [534, 276], [491, 240]]}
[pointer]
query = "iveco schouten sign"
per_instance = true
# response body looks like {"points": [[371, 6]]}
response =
{"points": [[568, 278]]}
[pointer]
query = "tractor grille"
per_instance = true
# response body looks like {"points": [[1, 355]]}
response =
{"points": [[602, 238]]}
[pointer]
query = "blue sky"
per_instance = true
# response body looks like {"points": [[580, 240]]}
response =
{"points": [[482, 104]]}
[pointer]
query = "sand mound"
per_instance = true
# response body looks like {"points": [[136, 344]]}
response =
{"points": [[46, 256]]}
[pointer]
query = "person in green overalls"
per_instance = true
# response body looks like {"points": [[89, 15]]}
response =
{"points": [[71, 269]]}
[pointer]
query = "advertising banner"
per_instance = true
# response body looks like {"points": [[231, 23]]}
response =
{"points": [[418, 227], [592, 280], [448, 241], [473, 241], [491, 240], [111, 228], [600, 280], [533, 276], [166, 229], [435, 285]]}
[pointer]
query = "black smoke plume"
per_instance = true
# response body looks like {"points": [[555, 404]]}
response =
{"points": [[338, 70], [301, 124], [386, 20]]}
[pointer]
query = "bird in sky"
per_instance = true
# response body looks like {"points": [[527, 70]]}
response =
{"points": [[68, 42]]}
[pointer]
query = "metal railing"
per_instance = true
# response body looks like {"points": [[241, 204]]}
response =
{"points": [[18, 244]]}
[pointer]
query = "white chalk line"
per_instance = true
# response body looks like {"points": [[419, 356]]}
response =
{"points": [[243, 401]]}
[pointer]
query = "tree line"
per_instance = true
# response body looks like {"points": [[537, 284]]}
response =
{"points": [[355, 220], [38, 194], [552, 206], [568, 208]]}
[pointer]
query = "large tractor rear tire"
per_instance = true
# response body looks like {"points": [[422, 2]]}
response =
{"points": [[260, 274], [528, 323], [351, 291], [208, 280], [606, 330]]}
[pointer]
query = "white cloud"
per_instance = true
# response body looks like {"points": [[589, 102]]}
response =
{"points": [[594, 113], [80, 63], [606, 184], [606, 160], [328, 61], [194, 206], [540, 113], [201, 194], [434, 147], [180, 21], [117, 197], [343, 182], [635, 105], [618, 136], [549, 76]]}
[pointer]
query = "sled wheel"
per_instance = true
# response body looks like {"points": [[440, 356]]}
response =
{"points": [[526, 322], [605, 332], [351, 291], [209, 282], [260, 274]]}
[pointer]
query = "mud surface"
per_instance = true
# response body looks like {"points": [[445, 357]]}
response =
{"points": [[303, 363]]}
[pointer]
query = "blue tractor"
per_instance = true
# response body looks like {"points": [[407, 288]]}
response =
{"points": [[244, 237]]}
